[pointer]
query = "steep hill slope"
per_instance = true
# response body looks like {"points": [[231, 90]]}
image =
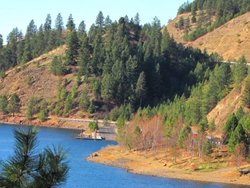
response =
{"points": [[33, 78], [231, 40], [228, 105]]}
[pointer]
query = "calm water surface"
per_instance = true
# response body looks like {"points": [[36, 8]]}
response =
{"points": [[86, 174]]}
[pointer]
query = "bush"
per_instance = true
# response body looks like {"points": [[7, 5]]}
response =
{"points": [[57, 67], [42, 115], [93, 126]]}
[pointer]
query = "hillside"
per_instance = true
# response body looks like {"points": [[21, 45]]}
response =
{"points": [[230, 40], [228, 105], [33, 78]]}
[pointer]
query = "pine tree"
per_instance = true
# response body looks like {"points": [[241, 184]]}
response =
{"points": [[42, 116], [1, 41], [68, 105], [84, 56], [141, 87], [27, 168], [239, 71], [70, 24], [82, 27], [72, 48], [31, 30], [100, 20], [57, 67], [84, 100], [47, 24], [58, 30], [246, 94], [3, 104], [14, 104], [47, 30]]}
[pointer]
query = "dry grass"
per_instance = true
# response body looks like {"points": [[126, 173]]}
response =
{"points": [[231, 40]]}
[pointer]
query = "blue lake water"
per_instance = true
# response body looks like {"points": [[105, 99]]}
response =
{"points": [[86, 174]]}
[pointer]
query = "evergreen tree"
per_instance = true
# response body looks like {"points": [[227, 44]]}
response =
{"points": [[100, 20], [97, 58], [47, 24], [59, 29], [1, 41], [70, 24], [137, 19], [72, 48], [84, 55], [84, 100], [68, 105], [31, 29], [82, 27], [14, 104], [3, 104], [42, 115], [27, 168], [47, 30], [57, 67], [246, 94], [59, 23], [239, 71], [141, 87]]}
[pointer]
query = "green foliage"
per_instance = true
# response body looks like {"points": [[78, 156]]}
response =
{"points": [[222, 10], [207, 148], [42, 116], [237, 130], [3, 104], [137, 131], [183, 135], [84, 102], [57, 66], [68, 105], [246, 94], [29, 80], [2, 74], [72, 48], [27, 168], [93, 126], [239, 71], [91, 108], [14, 104], [32, 107], [74, 91], [141, 87]]}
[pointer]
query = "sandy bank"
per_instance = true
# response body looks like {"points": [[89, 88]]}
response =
{"points": [[153, 163]]}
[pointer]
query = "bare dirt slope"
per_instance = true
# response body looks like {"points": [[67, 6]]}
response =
{"points": [[32, 79], [231, 40], [228, 105]]}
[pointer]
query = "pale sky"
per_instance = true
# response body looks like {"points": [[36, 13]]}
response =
{"points": [[18, 13]]}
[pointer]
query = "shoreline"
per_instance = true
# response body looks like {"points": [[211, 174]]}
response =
{"points": [[52, 121], [108, 132], [148, 164]]}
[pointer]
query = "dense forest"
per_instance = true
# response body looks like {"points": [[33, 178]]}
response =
{"points": [[131, 69], [209, 15], [125, 63]]}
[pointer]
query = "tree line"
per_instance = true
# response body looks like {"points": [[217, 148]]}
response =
{"points": [[203, 13]]}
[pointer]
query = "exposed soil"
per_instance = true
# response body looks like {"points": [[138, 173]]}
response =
{"points": [[159, 163], [231, 40]]}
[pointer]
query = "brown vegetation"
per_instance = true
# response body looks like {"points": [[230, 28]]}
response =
{"points": [[231, 40]]}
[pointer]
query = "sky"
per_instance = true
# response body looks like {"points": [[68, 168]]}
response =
{"points": [[18, 13]]}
